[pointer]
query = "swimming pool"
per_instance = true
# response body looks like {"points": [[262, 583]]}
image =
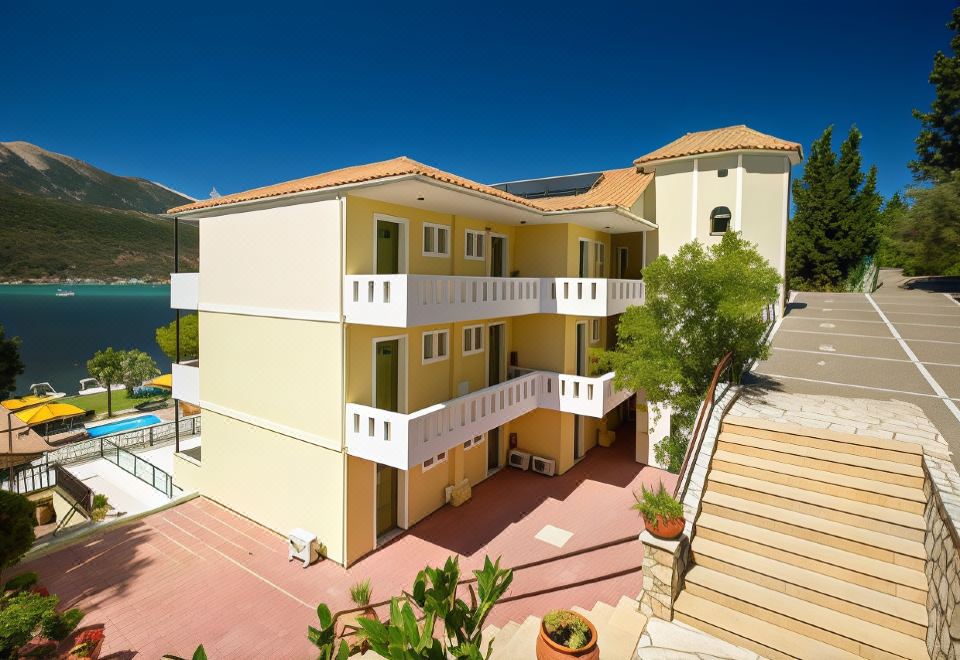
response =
{"points": [[123, 425]]}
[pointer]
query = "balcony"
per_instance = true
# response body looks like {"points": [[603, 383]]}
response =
{"points": [[404, 301], [186, 382], [404, 440], [184, 291]]}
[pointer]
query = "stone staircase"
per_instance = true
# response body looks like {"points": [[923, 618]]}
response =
{"points": [[618, 628], [809, 544]]}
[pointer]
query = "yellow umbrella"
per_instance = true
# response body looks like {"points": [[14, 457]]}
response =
{"points": [[48, 413], [165, 381], [29, 400]]}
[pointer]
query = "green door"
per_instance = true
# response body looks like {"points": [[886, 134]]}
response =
{"points": [[388, 247], [495, 355], [386, 499], [388, 375]]}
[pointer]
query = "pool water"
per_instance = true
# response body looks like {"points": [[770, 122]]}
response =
{"points": [[123, 425]]}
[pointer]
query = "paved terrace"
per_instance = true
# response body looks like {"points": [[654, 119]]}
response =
{"points": [[200, 573], [896, 343]]}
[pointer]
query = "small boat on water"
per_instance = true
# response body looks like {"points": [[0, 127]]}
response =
{"points": [[93, 386], [65, 293], [45, 390]]}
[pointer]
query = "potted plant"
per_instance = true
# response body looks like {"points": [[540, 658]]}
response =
{"points": [[662, 514], [100, 507], [87, 644], [349, 628], [566, 634]]}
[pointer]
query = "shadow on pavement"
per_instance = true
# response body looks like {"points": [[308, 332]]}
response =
{"points": [[934, 284]]}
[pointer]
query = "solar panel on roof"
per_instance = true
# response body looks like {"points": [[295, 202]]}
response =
{"points": [[556, 186]]}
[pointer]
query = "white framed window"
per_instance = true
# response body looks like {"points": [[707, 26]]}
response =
{"points": [[595, 331], [434, 461], [436, 240], [473, 244], [472, 339], [436, 346], [473, 442]]}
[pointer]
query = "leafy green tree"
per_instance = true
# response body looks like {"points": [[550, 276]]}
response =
{"points": [[929, 233], [16, 528], [107, 367], [700, 304], [136, 367], [434, 596], [189, 338], [837, 218], [938, 144], [890, 251], [11, 365]]}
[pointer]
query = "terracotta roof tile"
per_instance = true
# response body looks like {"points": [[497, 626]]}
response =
{"points": [[615, 188], [718, 140]]}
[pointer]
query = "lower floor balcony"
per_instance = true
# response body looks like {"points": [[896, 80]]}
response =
{"points": [[403, 440]]}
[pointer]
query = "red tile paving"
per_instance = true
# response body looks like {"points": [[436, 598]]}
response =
{"points": [[200, 573]]}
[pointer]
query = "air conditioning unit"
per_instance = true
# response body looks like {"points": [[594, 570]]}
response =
{"points": [[519, 459], [544, 466]]}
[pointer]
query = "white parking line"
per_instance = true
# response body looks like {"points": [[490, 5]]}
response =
{"points": [[951, 406], [848, 334], [861, 387], [859, 357], [952, 299]]}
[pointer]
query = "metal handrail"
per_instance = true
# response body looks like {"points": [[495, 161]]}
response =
{"points": [[79, 491], [117, 451]]}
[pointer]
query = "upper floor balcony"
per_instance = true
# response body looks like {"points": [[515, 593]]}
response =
{"points": [[185, 291], [186, 381], [403, 440], [404, 301]]}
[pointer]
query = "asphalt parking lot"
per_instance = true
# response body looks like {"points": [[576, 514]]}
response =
{"points": [[896, 343]]}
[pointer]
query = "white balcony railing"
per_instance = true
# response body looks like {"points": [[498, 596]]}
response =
{"points": [[184, 290], [186, 381], [403, 440], [411, 300]]}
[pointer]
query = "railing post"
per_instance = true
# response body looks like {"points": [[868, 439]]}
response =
{"points": [[151, 436]]}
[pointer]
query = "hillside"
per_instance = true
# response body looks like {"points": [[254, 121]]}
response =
{"points": [[37, 171], [63, 219], [51, 240]]}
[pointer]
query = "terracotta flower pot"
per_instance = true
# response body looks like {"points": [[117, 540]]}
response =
{"points": [[45, 512], [547, 649], [665, 528]]}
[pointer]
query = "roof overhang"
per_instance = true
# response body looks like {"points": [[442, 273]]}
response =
{"points": [[417, 191], [651, 165]]}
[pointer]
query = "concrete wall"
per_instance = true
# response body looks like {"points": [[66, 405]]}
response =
{"points": [[277, 262], [279, 481]]}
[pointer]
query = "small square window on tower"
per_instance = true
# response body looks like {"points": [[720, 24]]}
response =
{"points": [[720, 220]]}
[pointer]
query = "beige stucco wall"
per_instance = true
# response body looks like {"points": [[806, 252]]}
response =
{"points": [[714, 190], [361, 507], [281, 261], [765, 196], [280, 372], [276, 480], [187, 473]]}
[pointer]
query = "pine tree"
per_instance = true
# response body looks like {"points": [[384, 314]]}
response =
{"points": [[837, 218], [938, 144]]}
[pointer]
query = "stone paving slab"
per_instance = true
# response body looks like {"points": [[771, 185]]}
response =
{"points": [[675, 640]]}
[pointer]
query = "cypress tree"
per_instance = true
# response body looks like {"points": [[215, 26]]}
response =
{"points": [[938, 144]]}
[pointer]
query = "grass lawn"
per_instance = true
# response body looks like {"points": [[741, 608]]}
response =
{"points": [[122, 400]]}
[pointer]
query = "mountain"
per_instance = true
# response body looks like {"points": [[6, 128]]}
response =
{"points": [[63, 219], [37, 171]]}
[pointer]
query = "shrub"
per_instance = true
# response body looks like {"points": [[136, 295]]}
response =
{"points": [[360, 593], [16, 527], [567, 628], [86, 642], [101, 505], [28, 614], [21, 582], [652, 504]]}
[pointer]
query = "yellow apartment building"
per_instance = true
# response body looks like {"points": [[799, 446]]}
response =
{"points": [[377, 340]]}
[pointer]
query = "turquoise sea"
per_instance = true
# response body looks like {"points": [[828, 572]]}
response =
{"points": [[59, 335]]}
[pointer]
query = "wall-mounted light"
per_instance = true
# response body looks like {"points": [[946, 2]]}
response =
{"points": [[420, 199]]}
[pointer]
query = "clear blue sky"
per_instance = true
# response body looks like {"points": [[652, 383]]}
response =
{"points": [[238, 97]]}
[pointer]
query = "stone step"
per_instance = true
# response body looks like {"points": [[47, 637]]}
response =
{"points": [[600, 614], [502, 638], [869, 491], [826, 625], [896, 451], [874, 606], [489, 633], [870, 573], [523, 642], [838, 535], [831, 461], [626, 616], [751, 633], [869, 516]]}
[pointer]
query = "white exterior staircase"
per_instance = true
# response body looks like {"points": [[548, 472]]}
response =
{"points": [[809, 544]]}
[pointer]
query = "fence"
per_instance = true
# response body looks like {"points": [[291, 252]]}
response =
{"points": [[34, 478], [143, 470], [158, 434]]}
